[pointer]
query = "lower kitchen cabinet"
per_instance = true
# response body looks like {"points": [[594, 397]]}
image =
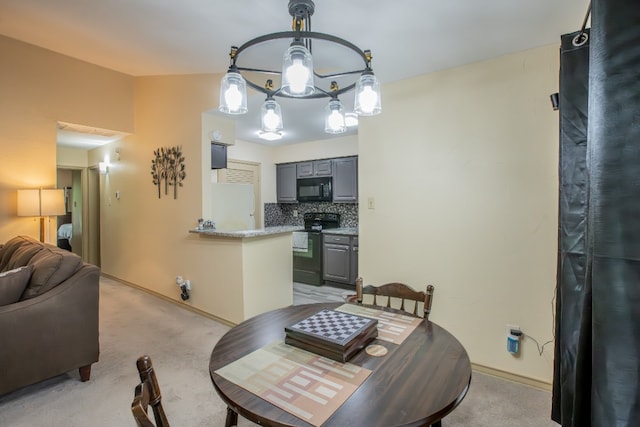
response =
{"points": [[339, 259]]}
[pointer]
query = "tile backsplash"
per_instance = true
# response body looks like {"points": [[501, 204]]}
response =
{"points": [[282, 213]]}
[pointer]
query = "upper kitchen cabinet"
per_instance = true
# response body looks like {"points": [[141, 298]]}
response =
{"points": [[345, 180], [314, 168], [286, 183]]}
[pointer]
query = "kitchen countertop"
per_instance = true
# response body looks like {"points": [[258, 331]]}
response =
{"points": [[347, 231], [241, 234]]}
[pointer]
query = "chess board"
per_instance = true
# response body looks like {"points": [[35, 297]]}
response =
{"points": [[333, 334]]}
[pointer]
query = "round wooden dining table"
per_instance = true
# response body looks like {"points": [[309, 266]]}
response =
{"points": [[416, 383]]}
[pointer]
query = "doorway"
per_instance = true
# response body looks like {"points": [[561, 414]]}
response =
{"points": [[82, 197]]}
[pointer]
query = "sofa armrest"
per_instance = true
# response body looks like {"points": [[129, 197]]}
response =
{"points": [[52, 333]]}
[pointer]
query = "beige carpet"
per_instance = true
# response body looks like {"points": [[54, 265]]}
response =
{"points": [[179, 342]]}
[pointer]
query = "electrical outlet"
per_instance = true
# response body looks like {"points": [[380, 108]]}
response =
{"points": [[295, 213], [187, 283]]}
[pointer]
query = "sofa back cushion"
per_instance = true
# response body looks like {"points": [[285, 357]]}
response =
{"points": [[51, 266], [13, 283], [8, 250]]}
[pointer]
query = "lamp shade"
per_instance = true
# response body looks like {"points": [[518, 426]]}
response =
{"points": [[297, 71], [367, 99], [41, 202], [52, 202], [29, 202], [233, 93]]}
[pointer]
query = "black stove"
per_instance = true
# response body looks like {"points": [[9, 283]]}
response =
{"points": [[307, 261], [318, 221]]}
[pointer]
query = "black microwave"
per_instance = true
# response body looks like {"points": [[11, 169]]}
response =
{"points": [[314, 190]]}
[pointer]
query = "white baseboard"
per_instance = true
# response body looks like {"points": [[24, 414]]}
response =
{"points": [[166, 298], [521, 379]]}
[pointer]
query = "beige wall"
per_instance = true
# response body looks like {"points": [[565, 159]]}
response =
{"points": [[38, 89], [72, 157], [462, 165]]}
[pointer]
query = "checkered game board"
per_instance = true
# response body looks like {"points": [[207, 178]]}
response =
{"points": [[330, 325]]}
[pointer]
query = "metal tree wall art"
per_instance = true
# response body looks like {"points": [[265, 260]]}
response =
{"points": [[168, 169]]}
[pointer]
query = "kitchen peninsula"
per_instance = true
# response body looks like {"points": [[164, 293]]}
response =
{"points": [[251, 270]]}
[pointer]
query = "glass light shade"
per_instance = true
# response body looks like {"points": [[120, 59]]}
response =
{"points": [[271, 116], [334, 117], [367, 97], [233, 94], [297, 71]]}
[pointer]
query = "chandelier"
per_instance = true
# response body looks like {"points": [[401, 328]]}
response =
{"points": [[298, 78]]}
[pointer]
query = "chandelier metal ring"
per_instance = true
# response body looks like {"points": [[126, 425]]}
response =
{"points": [[321, 93]]}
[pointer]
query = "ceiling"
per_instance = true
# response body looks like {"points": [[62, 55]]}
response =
{"points": [[406, 37]]}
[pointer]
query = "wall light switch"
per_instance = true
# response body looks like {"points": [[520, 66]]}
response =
{"points": [[371, 203], [117, 195]]}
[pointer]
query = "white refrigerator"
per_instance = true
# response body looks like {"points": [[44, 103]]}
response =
{"points": [[232, 206]]}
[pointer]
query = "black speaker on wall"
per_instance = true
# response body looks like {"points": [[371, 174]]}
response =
{"points": [[218, 156]]}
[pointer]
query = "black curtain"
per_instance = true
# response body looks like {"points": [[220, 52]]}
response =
{"points": [[597, 365], [572, 358]]}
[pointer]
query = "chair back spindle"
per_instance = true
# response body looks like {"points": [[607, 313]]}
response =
{"points": [[400, 291]]}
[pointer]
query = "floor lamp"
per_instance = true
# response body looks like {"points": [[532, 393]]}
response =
{"points": [[42, 202]]}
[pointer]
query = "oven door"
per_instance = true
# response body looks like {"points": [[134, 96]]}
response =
{"points": [[307, 259]]}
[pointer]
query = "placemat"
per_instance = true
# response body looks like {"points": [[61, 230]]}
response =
{"points": [[304, 384], [392, 327]]}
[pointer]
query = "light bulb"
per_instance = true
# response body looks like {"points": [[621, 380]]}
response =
{"points": [[233, 97], [271, 121], [368, 99], [336, 120], [297, 74]]}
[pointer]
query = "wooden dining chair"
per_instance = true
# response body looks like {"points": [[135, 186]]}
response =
{"points": [[403, 293], [400, 291], [147, 393]]}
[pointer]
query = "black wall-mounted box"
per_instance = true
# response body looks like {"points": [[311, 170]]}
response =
{"points": [[218, 156]]}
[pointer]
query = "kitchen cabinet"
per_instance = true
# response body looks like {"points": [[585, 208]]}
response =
{"points": [[286, 183], [345, 180], [314, 168], [339, 260]]}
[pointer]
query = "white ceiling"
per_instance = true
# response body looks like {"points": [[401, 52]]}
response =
{"points": [[406, 37]]}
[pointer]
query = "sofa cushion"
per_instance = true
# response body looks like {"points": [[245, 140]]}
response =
{"points": [[13, 283], [9, 249], [51, 266], [22, 255]]}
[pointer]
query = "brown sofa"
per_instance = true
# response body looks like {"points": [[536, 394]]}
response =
{"points": [[52, 327]]}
